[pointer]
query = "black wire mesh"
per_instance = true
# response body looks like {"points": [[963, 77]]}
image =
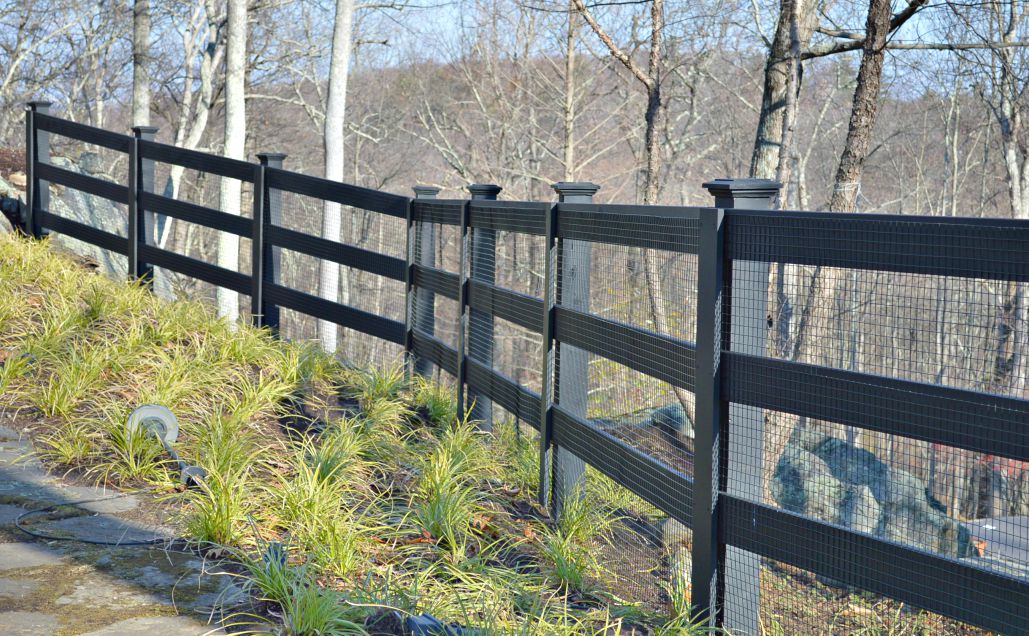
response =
{"points": [[850, 470]]}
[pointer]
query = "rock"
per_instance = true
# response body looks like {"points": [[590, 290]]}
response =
{"points": [[673, 419], [804, 484], [680, 571], [92, 210], [837, 482], [9, 513], [16, 589], [674, 534], [18, 180], [860, 511]]}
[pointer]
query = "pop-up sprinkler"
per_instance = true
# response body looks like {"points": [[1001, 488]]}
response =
{"points": [[160, 422]]}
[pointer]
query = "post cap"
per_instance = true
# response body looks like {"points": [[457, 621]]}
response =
{"points": [[575, 189], [743, 193], [273, 159], [36, 104], [143, 131], [743, 188], [425, 191], [484, 190]]}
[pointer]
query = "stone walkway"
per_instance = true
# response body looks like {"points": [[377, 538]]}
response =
{"points": [[69, 587]]}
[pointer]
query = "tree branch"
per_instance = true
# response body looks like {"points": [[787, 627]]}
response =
{"points": [[854, 41], [615, 51]]}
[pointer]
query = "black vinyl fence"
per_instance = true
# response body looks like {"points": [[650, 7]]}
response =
{"points": [[785, 440]]}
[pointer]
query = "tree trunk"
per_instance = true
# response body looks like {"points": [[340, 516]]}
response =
{"points": [[792, 29], [569, 105], [335, 112], [815, 332], [235, 137], [141, 63]]}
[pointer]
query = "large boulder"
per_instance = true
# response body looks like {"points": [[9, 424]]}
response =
{"points": [[91, 210], [838, 482], [804, 484]]}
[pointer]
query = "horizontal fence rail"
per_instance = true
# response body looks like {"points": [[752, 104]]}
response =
{"points": [[725, 369]]}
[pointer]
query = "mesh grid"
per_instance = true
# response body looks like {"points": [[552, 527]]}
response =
{"points": [[797, 601], [966, 332]]}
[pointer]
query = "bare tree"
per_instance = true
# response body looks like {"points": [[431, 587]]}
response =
{"points": [[235, 137], [335, 111], [141, 63]]}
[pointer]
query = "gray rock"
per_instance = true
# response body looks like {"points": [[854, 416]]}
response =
{"points": [[104, 528], [837, 482], [28, 624], [804, 484], [673, 419], [680, 572], [860, 511], [674, 534], [93, 211]]}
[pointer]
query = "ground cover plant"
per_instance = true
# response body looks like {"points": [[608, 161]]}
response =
{"points": [[350, 499]]}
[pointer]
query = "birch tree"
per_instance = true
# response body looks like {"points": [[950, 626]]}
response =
{"points": [[329, 280], [141, 63], [235, 137]]}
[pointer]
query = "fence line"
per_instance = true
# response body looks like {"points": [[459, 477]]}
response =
{"points": [[725, 370]]}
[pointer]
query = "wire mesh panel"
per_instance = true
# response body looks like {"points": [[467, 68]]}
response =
{"points": [[626, 306], [368, 283], [891, 405]]}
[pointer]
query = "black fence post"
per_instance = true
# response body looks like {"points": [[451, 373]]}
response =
{"points": [[747, 333], [141, 225], [571, 368], [266, 265], [38, 151], [547, 371], [711, 417], [462, 307], [480, 324], [423, 315]]}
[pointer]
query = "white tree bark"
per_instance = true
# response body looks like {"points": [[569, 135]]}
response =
{"points": [[235, 135], [329, 280], [141, 63]]}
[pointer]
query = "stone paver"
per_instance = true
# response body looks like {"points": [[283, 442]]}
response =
{"points": [[16, 590], [154, 625], [28, 624], [9, 513], [14, 556], [103, 528]]}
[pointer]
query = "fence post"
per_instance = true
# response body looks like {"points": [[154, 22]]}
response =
{"points": [[480, 323], [266, 260], [747, 333], [423, 314], [38, 151], [571, 368], [710, 419], [141, 225]]}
